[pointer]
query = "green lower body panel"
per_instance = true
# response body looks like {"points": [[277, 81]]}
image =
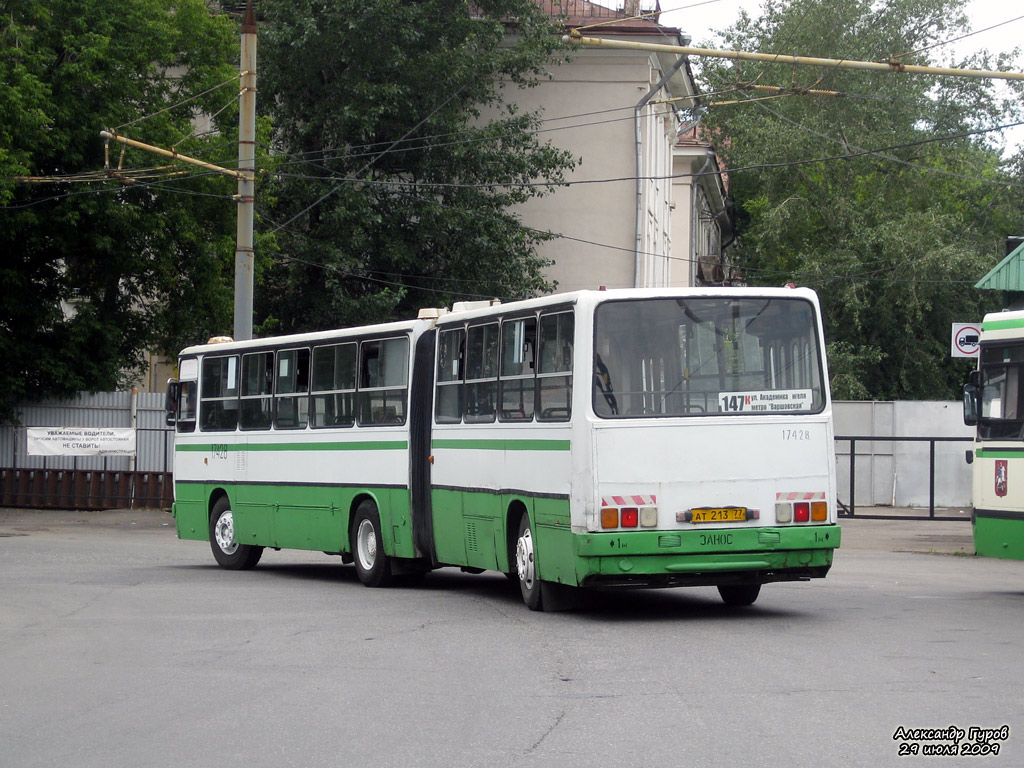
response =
{"points": [[191, 510], [472, 528], [295, 517], [999, 534], [477, 529], [659, 558]]}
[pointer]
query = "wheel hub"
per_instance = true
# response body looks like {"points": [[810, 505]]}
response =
{"points": [[525, 558], [366, 544], [224, 533]]}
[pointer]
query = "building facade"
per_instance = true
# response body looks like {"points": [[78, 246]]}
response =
{"points": [[646, 206]]}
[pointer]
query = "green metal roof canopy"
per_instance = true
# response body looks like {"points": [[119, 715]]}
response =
{"points": [[1007, 275]]}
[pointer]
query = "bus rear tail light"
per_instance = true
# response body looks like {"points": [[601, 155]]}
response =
{"points": [[801, 507], [629, 511]]}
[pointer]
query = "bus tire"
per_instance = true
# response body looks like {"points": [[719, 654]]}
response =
{"points": [[526, 565], [373, 567], [739, 594], [226, 550]]}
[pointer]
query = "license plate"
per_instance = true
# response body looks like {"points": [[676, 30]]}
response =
{"points": [[719, 515]]}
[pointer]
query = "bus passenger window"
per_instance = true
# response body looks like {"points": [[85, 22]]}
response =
{"points": [[517, 384], [185, 408], [481, 373], [218, 402], [257, 379], [291, 389], [334, 385], [554, 375], [451, 357], [383, 381]]}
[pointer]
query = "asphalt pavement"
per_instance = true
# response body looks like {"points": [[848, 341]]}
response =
{"points": [[123, 647]]}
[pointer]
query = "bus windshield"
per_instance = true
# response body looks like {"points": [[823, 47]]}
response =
{"points": [[1002, 396], [706, 355]]}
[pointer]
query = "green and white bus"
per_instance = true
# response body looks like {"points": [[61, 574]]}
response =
{"points": [[994, 403], [597, 439]]}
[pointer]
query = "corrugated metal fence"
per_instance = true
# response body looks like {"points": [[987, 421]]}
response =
{"points": [[90, 482]]}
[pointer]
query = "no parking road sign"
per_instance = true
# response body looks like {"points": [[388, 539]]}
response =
{"points": [[966, 338]]}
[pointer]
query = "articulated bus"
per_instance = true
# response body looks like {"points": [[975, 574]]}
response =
{"points": [[597, 439], [994, 403]]}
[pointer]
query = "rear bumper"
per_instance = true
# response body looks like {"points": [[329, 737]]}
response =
{"points": [[706, 557]]}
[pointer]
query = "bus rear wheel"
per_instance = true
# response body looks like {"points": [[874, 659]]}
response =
{"points": [[373, 567], [226, 549], [526, 565], [739, 594]]}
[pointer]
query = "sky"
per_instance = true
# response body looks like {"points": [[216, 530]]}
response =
{"points": [[699, 17]]}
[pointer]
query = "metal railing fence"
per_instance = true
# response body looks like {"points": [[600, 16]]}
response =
{"points": [[850, 510]]}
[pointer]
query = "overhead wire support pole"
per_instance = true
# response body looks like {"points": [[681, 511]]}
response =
{"points": [[892, 65], [113, 136], [246, 179], [245, 174]]}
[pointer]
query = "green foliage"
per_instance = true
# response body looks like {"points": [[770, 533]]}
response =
{"points": [[93, 274], [893, 238], [393, 142]]}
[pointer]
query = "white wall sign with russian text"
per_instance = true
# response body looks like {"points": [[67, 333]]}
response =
{"points": [[81, 441]]}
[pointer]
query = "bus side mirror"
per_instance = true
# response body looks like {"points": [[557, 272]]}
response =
{"points": [[171, 403], [970, 405]]}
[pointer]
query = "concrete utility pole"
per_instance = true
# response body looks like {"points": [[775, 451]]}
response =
{"points": [[247, 179], [246, 174]]}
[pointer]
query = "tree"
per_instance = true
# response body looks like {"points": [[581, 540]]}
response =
{"points": [[889, 197], [394, 142], [95, 272]]}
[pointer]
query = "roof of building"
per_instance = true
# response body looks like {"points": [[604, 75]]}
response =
{"points": [[584, 13], [1007, 275]]}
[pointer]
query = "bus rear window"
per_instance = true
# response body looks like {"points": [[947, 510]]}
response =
{"points": [[706, 355]]}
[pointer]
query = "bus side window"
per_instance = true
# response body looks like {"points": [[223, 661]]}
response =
{"points": [[554, 373], [481, 373], [334, 385], [291, 389], [451, 364], [257, 385], [186, 406], [517, 382], [383, 381], [218, 399]]}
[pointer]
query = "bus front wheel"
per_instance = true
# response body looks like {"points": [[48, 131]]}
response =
{"points": [[739, 594], [226, 549], [372, 566], [526, 565]]}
